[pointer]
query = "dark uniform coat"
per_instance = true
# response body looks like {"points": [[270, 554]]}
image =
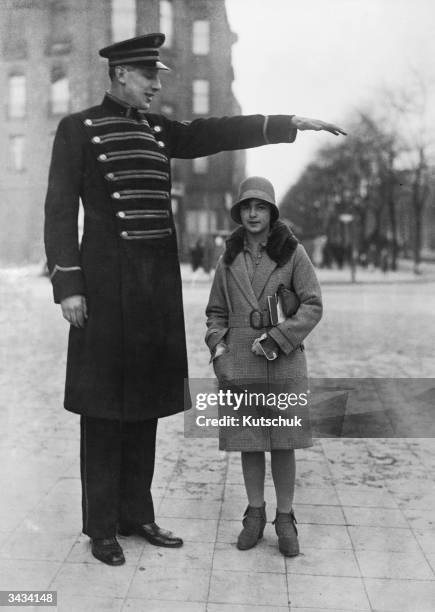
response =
{"points": [[233, 300], [129, 362]]}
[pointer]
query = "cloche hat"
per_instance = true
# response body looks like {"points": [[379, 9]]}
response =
{"points": [[255, 187]]}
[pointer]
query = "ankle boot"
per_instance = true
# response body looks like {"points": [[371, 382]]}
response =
{"points": [[254, 521], [285, 527]]}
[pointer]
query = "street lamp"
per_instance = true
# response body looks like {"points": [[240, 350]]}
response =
{"points": [[347, 219]]}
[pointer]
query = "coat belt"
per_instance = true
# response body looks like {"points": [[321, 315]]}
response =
{"points": [[256, 319]]}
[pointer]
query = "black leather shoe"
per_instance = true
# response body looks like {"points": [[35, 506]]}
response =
{"points": [[153, 534], [107, 550]]}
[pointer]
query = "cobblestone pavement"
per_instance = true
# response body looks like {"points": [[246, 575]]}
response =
{"points": [[365, 507]]}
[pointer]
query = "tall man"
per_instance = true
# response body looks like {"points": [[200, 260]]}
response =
{"points": [[120, 289]]}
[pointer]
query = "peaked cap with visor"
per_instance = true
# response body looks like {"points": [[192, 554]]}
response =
{"points": [[142, 50]]}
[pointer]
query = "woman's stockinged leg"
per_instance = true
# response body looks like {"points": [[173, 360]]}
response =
{"points": [[283, 474], [283, 465], [254, 470]]}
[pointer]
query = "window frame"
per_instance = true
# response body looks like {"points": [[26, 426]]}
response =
{"points": [[20, 167], [198, 38], [167, 21], [198, 97], [55, 108], [119, 10], [13, 104]]}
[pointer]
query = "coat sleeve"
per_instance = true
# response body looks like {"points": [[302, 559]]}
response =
{"points": [[208, 136], [290, 333], [61, 212], [217, 310]]}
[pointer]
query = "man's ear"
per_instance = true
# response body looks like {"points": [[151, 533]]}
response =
{"points": [[120, 72]]}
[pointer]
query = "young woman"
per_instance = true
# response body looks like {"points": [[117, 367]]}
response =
{"points": [[263, 260]]}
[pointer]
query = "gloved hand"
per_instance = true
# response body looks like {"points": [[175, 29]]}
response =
{"points": [[265, 346]]}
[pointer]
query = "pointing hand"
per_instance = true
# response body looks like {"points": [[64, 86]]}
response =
{"points": [[305, 123]]}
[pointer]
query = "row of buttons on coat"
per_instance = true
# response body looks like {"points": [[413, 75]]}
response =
{"points": [[103, 157], [97, 140], [144, 193], [89, 122], [156, 128]]}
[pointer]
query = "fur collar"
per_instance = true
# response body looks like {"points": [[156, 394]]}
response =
{"points": [[281, 244]]}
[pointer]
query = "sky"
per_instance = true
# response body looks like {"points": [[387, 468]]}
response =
{"points": [[323, 59]]}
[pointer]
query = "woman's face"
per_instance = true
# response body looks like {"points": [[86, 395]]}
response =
{"points": [[255, 216]]}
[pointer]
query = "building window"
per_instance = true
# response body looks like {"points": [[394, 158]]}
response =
{"points": [[200, 222], [201, 37], [16, 147], [59, 93], [200, 165], [60, 39], [17, 96], [201, 91], [167, 21], [123, 19]]}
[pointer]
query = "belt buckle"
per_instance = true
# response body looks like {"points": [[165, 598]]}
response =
{"points": [[256, 319]]}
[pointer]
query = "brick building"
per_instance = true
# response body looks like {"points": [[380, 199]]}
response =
{"points": [[49, 66]]}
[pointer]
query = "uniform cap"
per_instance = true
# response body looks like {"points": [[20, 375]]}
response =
{"points": [[139, 50], [255, 187]]}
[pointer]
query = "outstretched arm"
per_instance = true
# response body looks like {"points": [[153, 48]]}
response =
{"points": [[202, 137]]}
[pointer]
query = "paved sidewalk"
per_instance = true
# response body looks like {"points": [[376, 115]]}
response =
{"points": [[365, 507]]}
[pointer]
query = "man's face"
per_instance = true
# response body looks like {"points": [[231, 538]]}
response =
{"points": [[255, 216], [139, 85]]}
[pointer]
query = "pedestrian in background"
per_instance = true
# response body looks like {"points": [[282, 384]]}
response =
{"points": [[262, 259], [121, 288], [197, 255]]}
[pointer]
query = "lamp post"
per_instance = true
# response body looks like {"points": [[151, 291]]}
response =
{"points": [[347, 219]]}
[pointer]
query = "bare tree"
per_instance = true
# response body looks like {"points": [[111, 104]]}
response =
{"points": [[380, 174], [412, 103]]}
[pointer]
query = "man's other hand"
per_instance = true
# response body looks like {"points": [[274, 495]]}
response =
{"points": [[74, 310], [305, 123]]}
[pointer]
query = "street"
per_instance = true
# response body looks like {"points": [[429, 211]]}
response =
{"points": [[364, 506]]}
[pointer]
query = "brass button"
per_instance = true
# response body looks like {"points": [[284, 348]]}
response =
{"points": [[102, 157], [116, 195], [160, 143], [124, 234], [157, 128], [88, 121], [96, 139], [120, 214], [110, 176]]}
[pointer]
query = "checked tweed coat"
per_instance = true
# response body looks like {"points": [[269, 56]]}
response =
{"points": [[129, 362], [284, 261]]}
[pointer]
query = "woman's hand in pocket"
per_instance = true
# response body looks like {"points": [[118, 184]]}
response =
{"points": [[220, 349]]}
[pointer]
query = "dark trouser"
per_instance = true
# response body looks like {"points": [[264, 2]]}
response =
{"points": [[117, 466]]}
